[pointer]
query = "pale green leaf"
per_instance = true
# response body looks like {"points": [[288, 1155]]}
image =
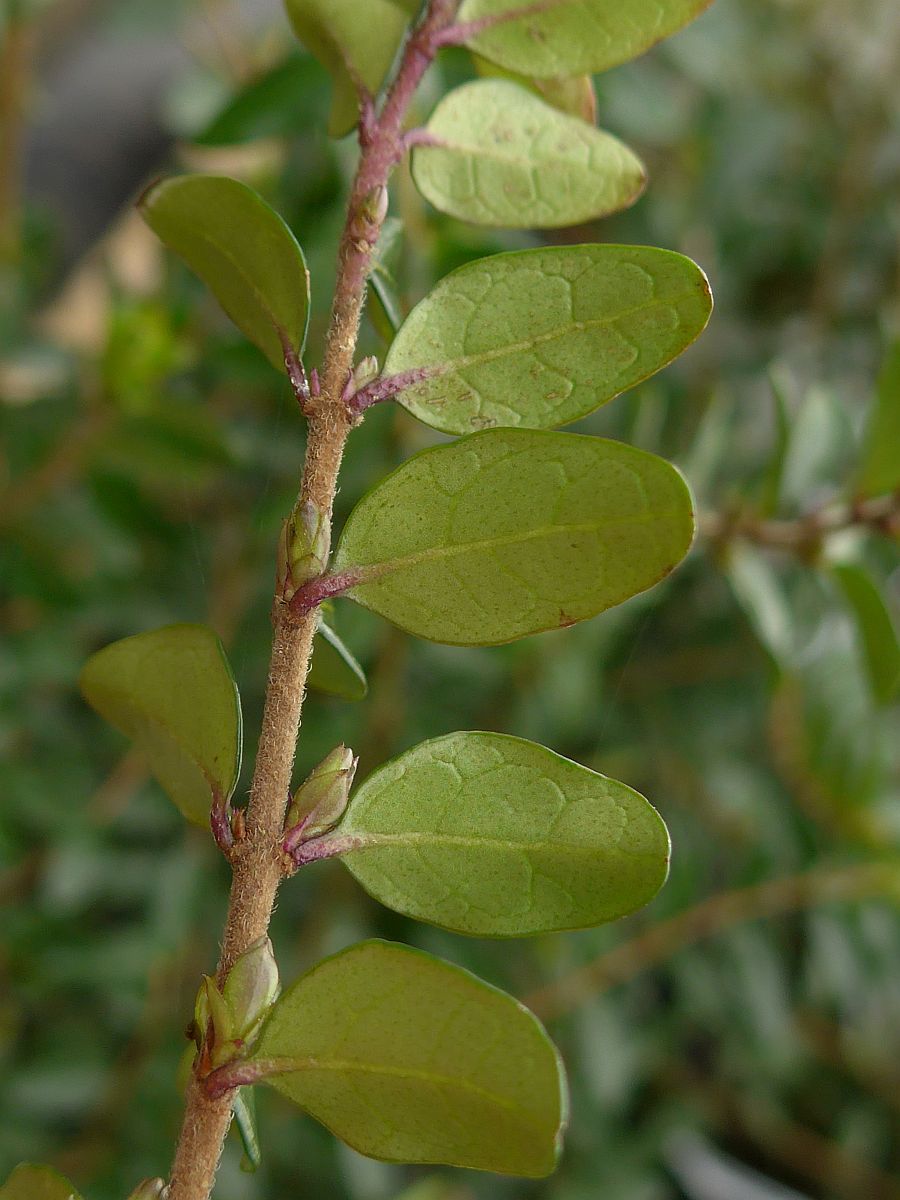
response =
{"points": [[509, 532], [880, 470], [573, 94], [244, 1108], [538, 338], [351, 38], [504, 157], [566, 37], [875, 628], [758, 590], [409, 1059], [31, 1182], [242, 250], [172, 691], [334, 669], [497, 837]]}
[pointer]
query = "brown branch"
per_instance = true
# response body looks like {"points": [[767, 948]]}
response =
{"points": [[712, 916], [258, 866], [804, 536]]}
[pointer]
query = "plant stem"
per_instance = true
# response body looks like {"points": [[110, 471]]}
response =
{"points": [[258, 865], [711, 916]]}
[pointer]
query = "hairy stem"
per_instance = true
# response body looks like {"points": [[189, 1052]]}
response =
{"points": [[711, 916], [257, 861]]}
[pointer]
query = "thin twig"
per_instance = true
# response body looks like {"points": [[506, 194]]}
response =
{"points": [[880, 514], [258, 866], [711, 916]]}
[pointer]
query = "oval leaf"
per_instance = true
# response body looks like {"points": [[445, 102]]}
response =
{"points": [[351, 37], [30, 1182], [566, 37], [242, 250], [504, 157], [334, 669], [172, 691], [538, 338], [572, 94], [509, 532], [409, 1059], [497, 837]]}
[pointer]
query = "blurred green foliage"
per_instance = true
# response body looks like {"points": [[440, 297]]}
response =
{"points": [[149, 456]]}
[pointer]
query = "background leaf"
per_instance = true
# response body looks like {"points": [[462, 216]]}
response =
{"points": [[334, 669], [509, 532], [880, 470], [268, 106], [172, 691], [30, 1182], [538, 338], [362, 34], [410, 1059], [877, 635], [566, 37], [507, 158], [498, 837], [241, 249]]}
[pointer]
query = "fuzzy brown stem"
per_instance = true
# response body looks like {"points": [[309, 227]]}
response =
{"points": [[258, 865]]}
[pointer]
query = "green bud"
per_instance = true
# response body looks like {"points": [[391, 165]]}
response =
{"points": [[303, 547], [364, 372], [149, 1189], [320, 802], [210, 1007], [251, 989], [375, 205]]}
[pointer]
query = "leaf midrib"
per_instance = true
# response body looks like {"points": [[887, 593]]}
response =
{"points": [[512, 348], [367, 840], [368, 572], [350, 1066]]}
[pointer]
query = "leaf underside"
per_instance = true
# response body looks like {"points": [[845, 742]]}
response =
{"points": [[538, 338], [334, 669], [494, 836], [348, 42], [31, 1182], [409, 1059], [172, 691], [506, 158], [567, 37], [510, 532], [242, 250]]}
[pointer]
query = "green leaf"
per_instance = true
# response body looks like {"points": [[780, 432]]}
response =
{"points": [[172, 691], [409, 1059], [877, 635], [509, 532], [566, 37], [758, 590], [497, 837], [504, 157], [538, 338], [351, 37], [30, 1182], [880, 469], [384, 305], [244, 1108], [269, 106], [572, 94], [334, 669], [242, 250]]}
